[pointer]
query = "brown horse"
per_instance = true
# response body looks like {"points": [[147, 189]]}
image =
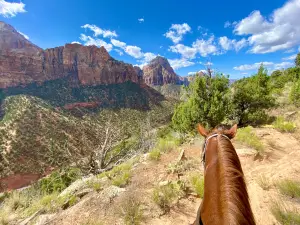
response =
{"points": [[225, 200]]}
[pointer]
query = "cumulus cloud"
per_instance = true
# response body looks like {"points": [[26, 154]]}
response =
{"points": [[292, 57], [24, 35], [11, 9], [177, 31], [97, 42], [100, 32], [118, 43], [180, 63], [119, 52], [228, 44], [270, 65], [185, 51], [134, 51], [205, 47], [75, 42], [141, 20], [280, 31], [283, 65], [252, 66]]}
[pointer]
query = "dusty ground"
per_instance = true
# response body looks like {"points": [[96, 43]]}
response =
{"points": [[282, 160]]}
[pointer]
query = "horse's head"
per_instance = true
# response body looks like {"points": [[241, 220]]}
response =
{"points": [[225, 131], [228, 131]]}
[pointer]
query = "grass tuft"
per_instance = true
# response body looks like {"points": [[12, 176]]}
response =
{"points": [[264, 182], [284, 126], [154, 155], [165, 195], [284, 216], [289, 188], [131, 211], [246, 135], [197, 183]]}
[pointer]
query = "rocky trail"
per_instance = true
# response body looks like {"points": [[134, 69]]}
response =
{"points": [[281, 160]]}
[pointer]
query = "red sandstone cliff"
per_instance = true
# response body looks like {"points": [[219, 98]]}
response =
{"points": [[21, 63], [159, 72]]}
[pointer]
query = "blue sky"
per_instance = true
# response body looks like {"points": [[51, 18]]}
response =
{"points": [[234, 35]]}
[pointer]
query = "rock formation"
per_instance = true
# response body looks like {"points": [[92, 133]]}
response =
{"points": [[159, 72], [21, 63]]}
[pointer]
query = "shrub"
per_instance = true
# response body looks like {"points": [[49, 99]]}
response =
{"points": [[198, 184], [207, 102], [16, 200], [251, 97], [284, 126], [165, 195], [154, 154], [246, 135], [263, 182], [131, 211], [295, 93], [96, 185], [290, 188], [284, 216], [119, 175], [59, 180]]}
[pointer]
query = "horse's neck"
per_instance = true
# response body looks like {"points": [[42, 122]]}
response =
{"points": [[225, 195]]}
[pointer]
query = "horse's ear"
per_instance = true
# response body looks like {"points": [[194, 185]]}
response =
{"points": [[232, 132], [202, 131]]}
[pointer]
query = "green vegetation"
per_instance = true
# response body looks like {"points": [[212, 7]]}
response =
{"points": [[96, 185], [58, 180], [284, 126], [154, 154], [264, 182], [165, 195], [285, 216], [197, 183], [182, 166], [207, 103], [247, 136], [119, 175], [295, 93], [251, 97], [131, 211], [289, 188], [297, 60]]}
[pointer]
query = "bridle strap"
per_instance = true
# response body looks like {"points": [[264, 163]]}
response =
{"points": [[206, 142]]}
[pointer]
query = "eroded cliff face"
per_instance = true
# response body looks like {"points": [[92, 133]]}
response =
{"points": [[22, 63], [159, 72]]}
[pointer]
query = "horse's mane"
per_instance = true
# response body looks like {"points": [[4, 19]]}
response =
{"points": [[234, 196]]}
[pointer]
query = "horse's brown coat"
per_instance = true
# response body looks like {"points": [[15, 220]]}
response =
{"points": [[225, 200]]}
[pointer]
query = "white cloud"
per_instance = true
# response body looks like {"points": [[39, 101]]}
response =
{"points": [[180, 63], [280, 31], [205, 47], [24, 35], [228, 44], [100, 32], [141, 20], [290, 50], [177, 31], [118, 43], [75, 42], [185, 51], [134, 51], [292, 57], [270, 65], [11, 9], [148, 56], [191, 73], [119, 52], [252, 66], [227, 24], [283, 65], [97, 42]]}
